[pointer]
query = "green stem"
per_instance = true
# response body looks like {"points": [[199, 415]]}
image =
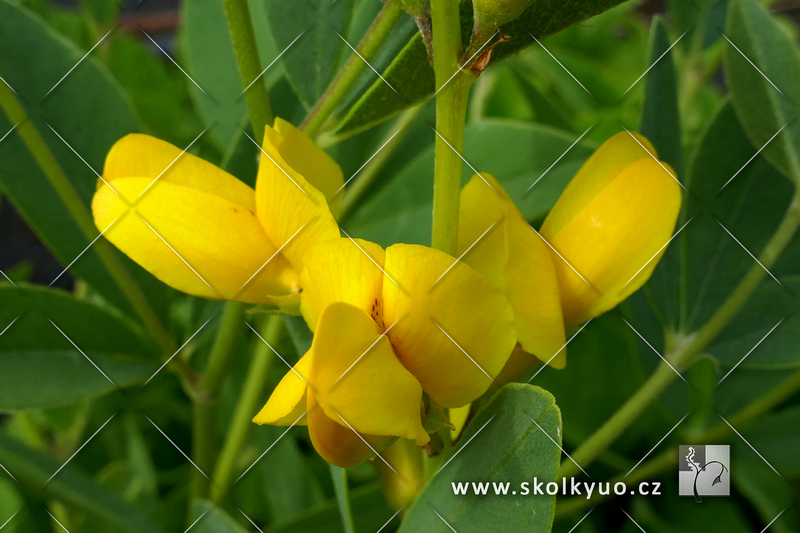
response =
{"points": [[347, 77], [80, 214], [452, 85], [359, 186], [206, 396], [246, 408], [339, 476], [246, 50], [668, 460], [684, 351]]}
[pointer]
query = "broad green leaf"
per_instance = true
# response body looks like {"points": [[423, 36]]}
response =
{"points": [[401, 212], [161, 99], [211, 62], [39, 367], [208, 518], [33, 469], [769, 494], [758, 319], [312, 25], [89, 111], [515, 436], [411, 75], [281, 486], [661, 122], [777, 438], [369, 508], [47, 378], [604, 352], [89, 325], [726, 194], [701, 20], [764, 79], [671, 514], [11, 504]]}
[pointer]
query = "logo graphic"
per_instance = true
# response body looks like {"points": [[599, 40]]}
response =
{"points": [[704, 471]]}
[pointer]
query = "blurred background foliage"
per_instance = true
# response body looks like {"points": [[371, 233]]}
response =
{"points": [[524, 112]]}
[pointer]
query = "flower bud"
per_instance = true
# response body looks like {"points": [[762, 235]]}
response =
{"points": [[611, 225], [492, 13], [404, 480]]}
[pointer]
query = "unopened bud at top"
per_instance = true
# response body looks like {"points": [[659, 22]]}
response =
{"points": [[611, 225], [491, 13]]}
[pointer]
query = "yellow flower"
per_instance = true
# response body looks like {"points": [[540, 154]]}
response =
{"points": [[495, 239], [202, 231], [611, 225], [388, 325]]}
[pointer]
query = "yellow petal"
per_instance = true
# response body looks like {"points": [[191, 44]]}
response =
{"points": [[288, 403], [342, 270], [294, 214], [143, 156], [450, 326], [620, 230], [482, 228], [336, 443], [502, 246], [358, 379], [406, 460], [614, 156], [194, 241], [311, 161]]}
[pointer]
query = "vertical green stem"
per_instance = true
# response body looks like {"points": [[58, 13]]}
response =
{"points": [[686, 348], [339, 476], [347, 77], [80, 214], [452, 85], [206, 396], [247, 407], [240, 26]]}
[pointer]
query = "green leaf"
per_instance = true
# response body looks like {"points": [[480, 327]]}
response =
{"points": [[763, 91], [314, 58], [758, 319], [661, 122], [210, 60], [282, 480], [777, 439], [209, 518], [769, 494], [401, 212], [11, 502], [33, 469], [509, 445], [369, 508], [159, 98], [604, 352], [704, 263], [47, 378], [39, 367], [412, 76], [89, 111]]}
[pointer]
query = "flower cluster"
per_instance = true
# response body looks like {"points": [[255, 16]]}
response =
{"points": [[396, 329]]}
